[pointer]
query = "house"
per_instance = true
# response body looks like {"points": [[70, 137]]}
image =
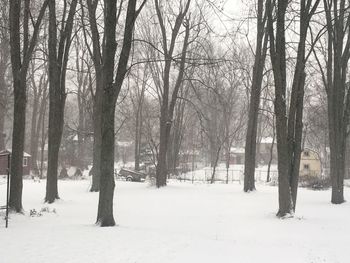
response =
{"points": [[4, 162], [237, 155], [264, 151], [310, 163]]}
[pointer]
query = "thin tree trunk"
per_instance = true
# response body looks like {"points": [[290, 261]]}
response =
{"points": [[268, 177], [250, 147], [33, 134]]}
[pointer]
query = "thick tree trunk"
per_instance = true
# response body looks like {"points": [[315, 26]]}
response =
{"points": [[337, 158], [16, 184], [338, 96], [20, 58], [56, 121], [107, 184], [161, 170], [284, 191]]}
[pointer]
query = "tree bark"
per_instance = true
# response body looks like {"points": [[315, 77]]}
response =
{"points": [[20, 58], [58, 58], [168, 100], [107, 184], [288, 127], [111, 90], [338, 95], [258, 70]]}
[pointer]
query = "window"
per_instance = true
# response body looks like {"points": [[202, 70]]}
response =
{"points": [[306, 153], [306, 167], [25, 162]]}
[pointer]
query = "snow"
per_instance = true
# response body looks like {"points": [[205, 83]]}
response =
{"points": [[182, 222], [235, 173], [267, 140]]}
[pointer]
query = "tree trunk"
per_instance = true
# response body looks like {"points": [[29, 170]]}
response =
{"points": [[161, 170], [3, 96], [338, 95], [217, 156], [107, 184], [56, 121], [42, 112], [33, 134], [138, 125], [2, 125], [58, 58], [16, 184], [111, 89], [258, 69], [43, 138], [337, 158], [97, 115], [268, 177]]}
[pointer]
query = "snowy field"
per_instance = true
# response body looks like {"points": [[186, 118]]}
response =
{"points": [[180, 223]]}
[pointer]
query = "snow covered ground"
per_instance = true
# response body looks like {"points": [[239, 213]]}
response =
{"points": [[180, 223]]}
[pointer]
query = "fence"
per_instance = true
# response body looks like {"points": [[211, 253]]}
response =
{"points": [[223, 175]]}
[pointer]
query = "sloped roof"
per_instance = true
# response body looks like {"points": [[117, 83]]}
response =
{"points": [[25, 154]]}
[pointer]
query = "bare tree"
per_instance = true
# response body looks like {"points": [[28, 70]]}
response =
{"points": [[288, 122], [337, 89], [111, 89], [258, 70], [168, 97], [58, 47], [39, 93], [21, 49]]}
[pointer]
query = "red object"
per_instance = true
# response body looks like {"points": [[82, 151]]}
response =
{"points": [[3, 162]]}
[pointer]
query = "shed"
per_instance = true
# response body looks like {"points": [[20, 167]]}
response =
{"points": [[4, 162], [310, 164]]}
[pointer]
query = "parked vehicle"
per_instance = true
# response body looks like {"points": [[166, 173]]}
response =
{"points": [[132, 176]]}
